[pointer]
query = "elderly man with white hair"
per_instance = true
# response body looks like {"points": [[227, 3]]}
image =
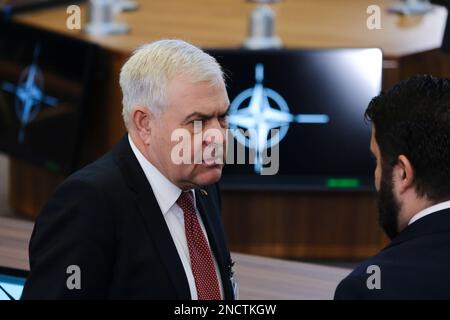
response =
{"points": [[143, 221]]}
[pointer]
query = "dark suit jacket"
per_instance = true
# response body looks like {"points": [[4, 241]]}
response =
{"points": [[415, 265], [106, 220]]}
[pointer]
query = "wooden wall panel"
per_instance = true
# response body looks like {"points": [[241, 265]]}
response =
{"points": [[316, 225]]}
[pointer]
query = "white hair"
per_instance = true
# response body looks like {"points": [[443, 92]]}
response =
{"points": [[146, 74]]}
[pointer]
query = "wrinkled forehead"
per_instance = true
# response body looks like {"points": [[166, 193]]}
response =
{"points": [[185, 93]]}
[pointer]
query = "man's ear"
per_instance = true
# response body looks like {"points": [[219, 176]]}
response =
{"points": [[403, 174], [142, 120]]}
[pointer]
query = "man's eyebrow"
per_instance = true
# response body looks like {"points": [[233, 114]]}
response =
{"points": [[198, 115], [204, 116]]}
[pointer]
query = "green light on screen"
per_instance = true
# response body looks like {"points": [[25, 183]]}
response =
{"points": [[343, 183]]}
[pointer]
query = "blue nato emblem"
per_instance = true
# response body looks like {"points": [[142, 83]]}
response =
{"points": [[259, 110], [29, 94]]}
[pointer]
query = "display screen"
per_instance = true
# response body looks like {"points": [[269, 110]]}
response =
{"points": [[299, 117], [11, 283], [44, 83]]}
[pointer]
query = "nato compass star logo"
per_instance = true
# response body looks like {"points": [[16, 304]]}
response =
{"points": [[29, 94], [252, 110]]}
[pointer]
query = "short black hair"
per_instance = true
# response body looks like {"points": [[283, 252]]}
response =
{"points": [[413, 119]]}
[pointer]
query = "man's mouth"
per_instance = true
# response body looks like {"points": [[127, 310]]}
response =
{"points": [[212, 162]]}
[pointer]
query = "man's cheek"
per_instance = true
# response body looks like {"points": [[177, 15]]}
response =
{"points": [[377, 178]]}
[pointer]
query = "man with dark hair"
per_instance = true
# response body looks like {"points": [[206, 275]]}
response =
{"points": [[411, 144]]}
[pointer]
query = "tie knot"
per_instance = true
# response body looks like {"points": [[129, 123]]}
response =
{"points": [[186, 201]]}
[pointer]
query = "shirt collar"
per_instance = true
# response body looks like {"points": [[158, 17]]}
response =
{"points": [[166, 193], [437, 207]]}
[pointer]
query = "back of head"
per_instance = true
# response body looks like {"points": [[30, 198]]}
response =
{"points": [[413, 119]]}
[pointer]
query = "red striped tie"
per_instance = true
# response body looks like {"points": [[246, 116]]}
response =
{"points": [[201, 259]]}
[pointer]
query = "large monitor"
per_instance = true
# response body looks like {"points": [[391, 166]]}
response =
{"points": [[316, 100], [12, 282], [44, 82]]}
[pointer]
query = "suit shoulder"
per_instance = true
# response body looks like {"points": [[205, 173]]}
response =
{"points": [[100, 173], [354, 286], [101, 177], [87, 187]]}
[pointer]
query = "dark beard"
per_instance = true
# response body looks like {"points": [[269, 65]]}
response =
{"points": [[388, 205]]}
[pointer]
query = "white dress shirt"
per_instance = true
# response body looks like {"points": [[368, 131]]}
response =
{"points": [[437, 207], [167, 194]]}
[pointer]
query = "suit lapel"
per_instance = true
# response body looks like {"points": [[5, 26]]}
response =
{"points": [[157, 228], [152, 216], [210, 216]]}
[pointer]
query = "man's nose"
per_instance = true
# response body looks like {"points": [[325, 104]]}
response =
{"points": [[214, 134]]}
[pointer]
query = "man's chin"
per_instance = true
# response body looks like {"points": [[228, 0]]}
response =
{"points": [[208, 174]]}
